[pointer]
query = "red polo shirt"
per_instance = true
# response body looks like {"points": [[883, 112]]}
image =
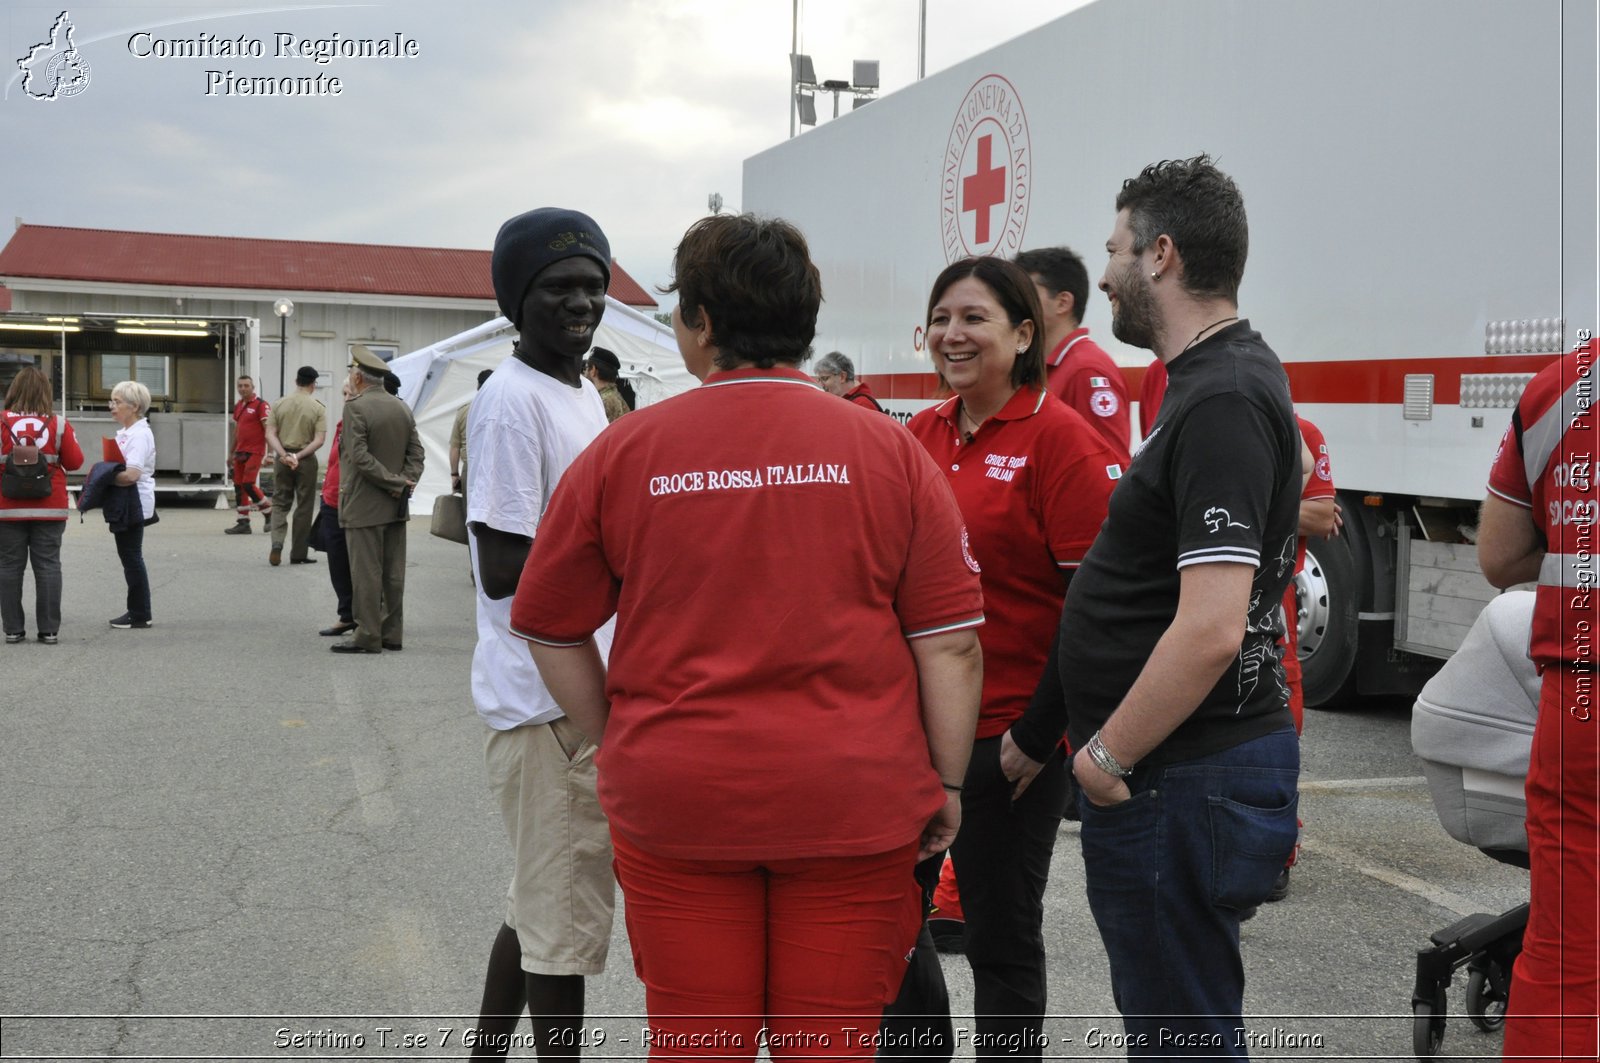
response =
{"points": [[251, 421], [1033, 485], [1321, 483], [1082, 375], [768, 551]]}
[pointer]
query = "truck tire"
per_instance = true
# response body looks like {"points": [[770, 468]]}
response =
{"points": [[1328, 591]]}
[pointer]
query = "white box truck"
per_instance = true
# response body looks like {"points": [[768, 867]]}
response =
{"points": [[1420, 177]]}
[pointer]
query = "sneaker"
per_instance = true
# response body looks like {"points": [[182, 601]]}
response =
{"points": [[241, 528], [12, 638], [126, 621], [48, 638], [1280, 887]]}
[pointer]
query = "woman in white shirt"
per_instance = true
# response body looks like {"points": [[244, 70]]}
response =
{"points": [[130, 401]]}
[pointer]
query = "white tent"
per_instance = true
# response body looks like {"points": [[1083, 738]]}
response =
{"points": [[436, 380]]}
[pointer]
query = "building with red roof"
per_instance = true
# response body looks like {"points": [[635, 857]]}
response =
{"points": [[392, 299]]}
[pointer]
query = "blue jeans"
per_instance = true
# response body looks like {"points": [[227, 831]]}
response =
{"points": [[1169, 870]]}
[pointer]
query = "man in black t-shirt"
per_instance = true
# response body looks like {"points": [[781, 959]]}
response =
{"points": [[1177, 707]]}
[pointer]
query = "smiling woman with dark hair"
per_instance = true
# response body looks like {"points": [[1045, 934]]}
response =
{"points": [[1033, 479], [767, 803]]}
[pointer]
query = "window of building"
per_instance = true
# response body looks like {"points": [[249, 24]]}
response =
{"points": [[148, 369], [385, 349]]}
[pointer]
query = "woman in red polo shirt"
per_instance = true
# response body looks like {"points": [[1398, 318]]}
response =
{"points": [[1033, 479], [767, 799]]}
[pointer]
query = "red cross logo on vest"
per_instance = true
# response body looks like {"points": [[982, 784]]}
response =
{"points": [[987, 171]]}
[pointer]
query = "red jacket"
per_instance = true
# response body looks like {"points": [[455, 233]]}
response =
{"points": [[63, 455]]}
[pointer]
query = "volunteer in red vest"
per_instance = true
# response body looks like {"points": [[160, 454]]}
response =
{"points": [[1033, 479], [1081, 373], [249, 446], [837, 375], [31, 529], [1319, 516], [1538, 525], [767, 798]]}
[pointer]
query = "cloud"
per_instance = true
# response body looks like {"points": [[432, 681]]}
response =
{"points": [[634, 110]]}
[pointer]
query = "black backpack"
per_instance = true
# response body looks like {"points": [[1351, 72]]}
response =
{"points": [[27, 475]]}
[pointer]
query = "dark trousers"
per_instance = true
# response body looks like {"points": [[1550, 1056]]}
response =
{"points": [[295, 488], [917, 1024], [1167, 873], [378, 582], [338, 552], [130, 549], [37, 542], [1002, 857]]}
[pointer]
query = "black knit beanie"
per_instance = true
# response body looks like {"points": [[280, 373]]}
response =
{"points": [[529, 242]]}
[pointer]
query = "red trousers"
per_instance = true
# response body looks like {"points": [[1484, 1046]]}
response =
{"points": [[246, 467], [799, 956], [1553, 986]]}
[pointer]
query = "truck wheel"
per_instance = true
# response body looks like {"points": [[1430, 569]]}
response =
{"points": [[1328, 592]]}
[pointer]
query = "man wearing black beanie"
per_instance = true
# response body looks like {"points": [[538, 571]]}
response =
{"points": [[533, 416]]}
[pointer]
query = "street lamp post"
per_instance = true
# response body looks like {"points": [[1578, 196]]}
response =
{"points": [[284, 308]]}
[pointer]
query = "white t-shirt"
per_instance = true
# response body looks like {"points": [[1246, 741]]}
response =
{"points": [[138, 446], [524, 429]]}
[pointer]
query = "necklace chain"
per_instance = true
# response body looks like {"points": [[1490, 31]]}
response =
{"points": [[1207, 329]]}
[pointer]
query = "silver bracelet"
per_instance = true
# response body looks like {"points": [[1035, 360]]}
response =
{"points": [[1103, 759]]}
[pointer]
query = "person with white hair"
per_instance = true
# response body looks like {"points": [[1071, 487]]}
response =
{"points": [[130, 402], [837, 375]]}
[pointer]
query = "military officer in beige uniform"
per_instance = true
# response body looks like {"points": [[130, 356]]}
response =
{"points": [[380, 461], [296, 428]]}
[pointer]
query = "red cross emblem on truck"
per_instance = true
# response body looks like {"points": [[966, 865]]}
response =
{"points": [[986, 173], [984, 190]]}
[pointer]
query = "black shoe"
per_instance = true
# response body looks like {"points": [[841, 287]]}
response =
{"points": [[949, 935], [341, 628], [303, 561], [352, 647], [126, 621], [1280, 887], [241, 528], [49, 638], [14, 637], [395, 646]]}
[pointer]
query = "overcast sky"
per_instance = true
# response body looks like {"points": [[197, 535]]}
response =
{"points": [[632, 110]]}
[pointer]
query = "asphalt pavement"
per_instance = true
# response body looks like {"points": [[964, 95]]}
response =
{"points": [[221, 840]]}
